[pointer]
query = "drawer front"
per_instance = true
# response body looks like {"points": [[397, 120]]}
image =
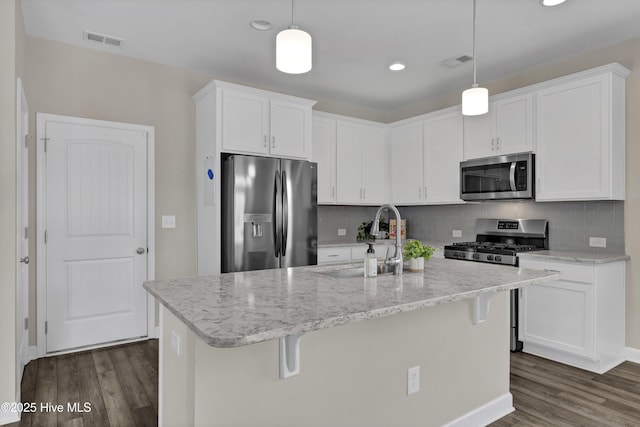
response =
{"points": [[570, 272], [332, 255]]}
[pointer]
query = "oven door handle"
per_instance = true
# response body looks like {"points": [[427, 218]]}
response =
{"points": [[512, 176]]}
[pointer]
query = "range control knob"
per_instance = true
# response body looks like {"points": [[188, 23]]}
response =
{"points": [[498, 258], [476, 256], [490, 257]]}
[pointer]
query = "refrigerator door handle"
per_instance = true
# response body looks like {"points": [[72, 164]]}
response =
{"points": [[285, 214], [277, 206]]}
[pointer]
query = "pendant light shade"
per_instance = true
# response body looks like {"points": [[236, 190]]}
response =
{"points": [[475, 101], [293, 48], [293, 51]]}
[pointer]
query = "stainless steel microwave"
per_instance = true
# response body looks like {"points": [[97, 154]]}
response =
{"points": [[498, 178]]}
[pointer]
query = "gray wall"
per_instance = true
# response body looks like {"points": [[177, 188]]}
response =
{"points": [[570, 223]]}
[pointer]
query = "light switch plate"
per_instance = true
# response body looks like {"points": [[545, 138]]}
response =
{"points": [[342, 231], [168, 221], [598, 242], [413, 380], [456, 233]]}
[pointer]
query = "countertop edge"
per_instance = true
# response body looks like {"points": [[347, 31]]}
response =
{"points": [[577, 257]]}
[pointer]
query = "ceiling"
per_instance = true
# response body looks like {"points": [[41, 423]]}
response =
{"points": [[354, 41]]}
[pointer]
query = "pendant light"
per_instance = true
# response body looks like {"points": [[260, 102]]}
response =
{"points": [[293, 48], [475, 101]]}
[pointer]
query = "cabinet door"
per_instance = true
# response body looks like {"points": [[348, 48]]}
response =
{"points": [[288, 129], [442, 157], [349, 163], [514, 124], [573, 145], [405, 153], [245, 122], [374, 160], [478, 136], [324, 154], [559, 315]]}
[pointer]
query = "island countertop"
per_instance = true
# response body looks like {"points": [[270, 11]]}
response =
{"points": [[236, 309]]}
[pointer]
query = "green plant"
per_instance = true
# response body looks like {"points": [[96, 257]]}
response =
{"points": [[415, 249]]}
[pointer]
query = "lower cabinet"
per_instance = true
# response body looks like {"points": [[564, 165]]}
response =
{"points": [[580, 318]]}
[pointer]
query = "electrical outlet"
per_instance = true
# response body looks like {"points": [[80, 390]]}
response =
{"points": [[598, 242], [342, 231], [175, 343], [413, 380], [456, 233]]}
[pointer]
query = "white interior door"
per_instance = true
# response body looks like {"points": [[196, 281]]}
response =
{"points": [[95, 201], [22, 233]]}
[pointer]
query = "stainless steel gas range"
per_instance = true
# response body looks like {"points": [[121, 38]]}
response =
{"points": [[498, 241]]}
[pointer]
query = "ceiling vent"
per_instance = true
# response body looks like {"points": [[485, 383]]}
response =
{"points": [[456, 62], [103, 39]]}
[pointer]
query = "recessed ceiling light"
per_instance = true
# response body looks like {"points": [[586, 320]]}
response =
{"points": [[551, 2], [396, 66], [261, 25]]}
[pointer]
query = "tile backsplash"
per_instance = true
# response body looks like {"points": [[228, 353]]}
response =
{"points": [[570, 223]]}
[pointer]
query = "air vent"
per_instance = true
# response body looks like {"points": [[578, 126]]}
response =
{"points": [[103, 39], [455, 62]]}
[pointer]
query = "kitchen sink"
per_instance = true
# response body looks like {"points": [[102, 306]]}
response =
{"points": [[345, 273]]}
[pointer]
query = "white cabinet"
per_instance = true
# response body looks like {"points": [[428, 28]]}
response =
{"points": [[506, 129], [405, 167], [442, 157], [425, 159], [581, 136], [578, 319], [264, 123], [361, 163], [332, 255], [324, 154]]}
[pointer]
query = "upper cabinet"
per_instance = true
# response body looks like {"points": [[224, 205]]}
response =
{"points": [[443, 141], [264, 123], [425, 158], [324, 154], [506, 129], [405, 166], [361, 160], [581, 136]]}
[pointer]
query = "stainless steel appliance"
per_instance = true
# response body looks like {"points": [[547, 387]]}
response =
{"points": [[494, 178], [498, 241], [269, 213]]}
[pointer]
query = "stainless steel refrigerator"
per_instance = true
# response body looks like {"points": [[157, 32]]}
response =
{"points": [[269, 213]]}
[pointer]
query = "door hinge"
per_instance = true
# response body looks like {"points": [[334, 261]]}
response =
{"points": [[46, 140], [26, 233], [46, 327], [46, 237], [26, 140], [26, 323]]}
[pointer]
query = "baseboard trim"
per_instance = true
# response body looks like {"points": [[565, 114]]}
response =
{"points": [[632, 354], [487, 413], [9, 417]]}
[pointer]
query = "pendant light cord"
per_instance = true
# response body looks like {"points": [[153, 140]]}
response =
{"points": [[293, 13], [475, 83]]}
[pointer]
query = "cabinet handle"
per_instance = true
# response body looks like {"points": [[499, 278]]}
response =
{"points": [[498, 144], [265, 141], [332, 255], [419, 193], [424, 192], [364, 193], [333, 191], [493, 144], [273, 142], [360, 192]]}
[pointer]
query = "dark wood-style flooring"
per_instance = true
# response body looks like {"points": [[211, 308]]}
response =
{"points": [[121, 385], [546, 393]]}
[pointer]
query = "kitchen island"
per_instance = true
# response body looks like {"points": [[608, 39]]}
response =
{"points": [[223, 339]]}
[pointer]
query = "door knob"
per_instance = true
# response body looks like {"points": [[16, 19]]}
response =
{"points": [[25, 260], [140, 251]]}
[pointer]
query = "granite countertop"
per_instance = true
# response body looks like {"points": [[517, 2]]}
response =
{"points": [[338, 244], [236, 309], [568, 256]]}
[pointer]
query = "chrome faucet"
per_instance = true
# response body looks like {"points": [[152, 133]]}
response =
{"points": [[396, 260]]}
